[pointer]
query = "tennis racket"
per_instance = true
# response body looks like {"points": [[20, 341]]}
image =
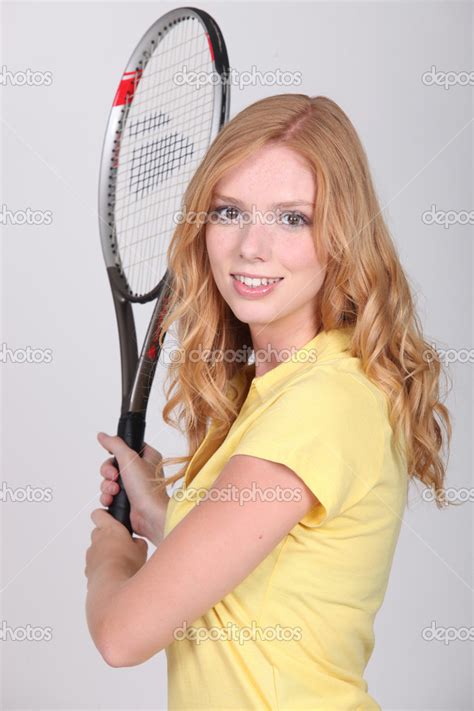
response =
{"points": [[158, 131]]}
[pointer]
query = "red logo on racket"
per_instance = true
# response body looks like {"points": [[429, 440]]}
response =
{"points": [[127, 87]]}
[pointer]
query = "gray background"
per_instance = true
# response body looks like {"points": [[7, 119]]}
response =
{"points": [[369, 58]]}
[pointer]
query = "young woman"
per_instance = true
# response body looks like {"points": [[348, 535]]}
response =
{"points": [[273, 557]]}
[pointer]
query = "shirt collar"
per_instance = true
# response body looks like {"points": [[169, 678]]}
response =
{"points": [[325, 346]]}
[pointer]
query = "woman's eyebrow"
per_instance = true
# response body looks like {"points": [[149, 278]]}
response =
{"points": [[287, 203]]}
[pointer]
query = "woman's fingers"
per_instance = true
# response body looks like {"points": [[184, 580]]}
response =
{"points": [[109, 487], [106, 499], [110, 472], [137, 481], [107, 469]]}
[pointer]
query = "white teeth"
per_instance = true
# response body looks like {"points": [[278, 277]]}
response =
{"points": [[254, 282]]}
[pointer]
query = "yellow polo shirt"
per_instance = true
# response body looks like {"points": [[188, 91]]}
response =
{"points": [[297, 632]]}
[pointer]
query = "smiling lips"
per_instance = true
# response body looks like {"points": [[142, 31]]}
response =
{"points": [[253, 288], [255, 280]]}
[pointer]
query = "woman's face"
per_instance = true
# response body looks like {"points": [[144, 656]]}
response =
{"points": [[263, 228]]}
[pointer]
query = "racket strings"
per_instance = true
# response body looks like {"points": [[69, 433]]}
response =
{"points": [[179, 107], [152, 75], [164, 216], [124, 188], [167, 131]]}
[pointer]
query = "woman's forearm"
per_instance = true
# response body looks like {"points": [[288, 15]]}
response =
{"points": [[108, 580]]}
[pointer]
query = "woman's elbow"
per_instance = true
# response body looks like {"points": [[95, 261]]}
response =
{"points": [[122, 653], [120, 657]]}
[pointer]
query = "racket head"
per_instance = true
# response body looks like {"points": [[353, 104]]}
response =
{"points": [[157, 133]]}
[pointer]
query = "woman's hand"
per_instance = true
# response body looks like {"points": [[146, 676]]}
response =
{"points": [[147, 507], [112, 545]]}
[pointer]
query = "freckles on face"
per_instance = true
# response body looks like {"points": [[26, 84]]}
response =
{"points": [[250, 244]]}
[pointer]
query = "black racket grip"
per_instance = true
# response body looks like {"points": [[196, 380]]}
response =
{"points": [[131, 428]]}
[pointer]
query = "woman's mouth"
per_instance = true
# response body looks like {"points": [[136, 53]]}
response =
{"points": [[251, 287]]}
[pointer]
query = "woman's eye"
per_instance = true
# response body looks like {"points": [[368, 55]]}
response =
{"points": [[297, 219], [226, 213], [229, 214]]}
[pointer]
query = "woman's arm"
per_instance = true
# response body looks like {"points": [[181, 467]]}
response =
{"points": [[201, 560]]}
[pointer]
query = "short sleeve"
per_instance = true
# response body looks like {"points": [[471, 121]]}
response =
{"points": [[329, 430]]}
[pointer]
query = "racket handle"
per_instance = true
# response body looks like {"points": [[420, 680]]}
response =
{"points": [[131, 428]]}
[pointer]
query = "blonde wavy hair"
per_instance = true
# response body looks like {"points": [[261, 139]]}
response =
{"points": [[364, 286]]}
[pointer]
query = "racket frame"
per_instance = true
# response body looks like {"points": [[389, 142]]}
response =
{"points": [[138, 372]]}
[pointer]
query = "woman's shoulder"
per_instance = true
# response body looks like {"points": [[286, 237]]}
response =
{"points": [[340, 381]]}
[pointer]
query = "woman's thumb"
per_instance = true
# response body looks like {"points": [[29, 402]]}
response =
{"points": [[116, 446]]}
